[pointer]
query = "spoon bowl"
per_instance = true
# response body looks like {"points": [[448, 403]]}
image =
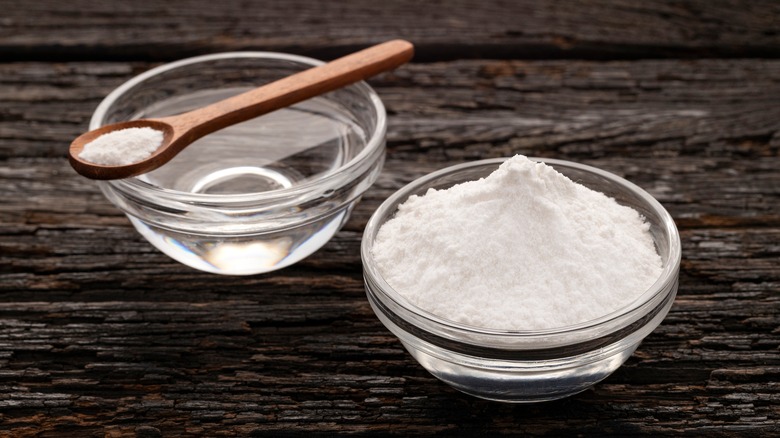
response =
{"points": [[103, 172]]}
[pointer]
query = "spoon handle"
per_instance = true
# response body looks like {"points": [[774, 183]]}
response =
{"points": [[292, 89]]}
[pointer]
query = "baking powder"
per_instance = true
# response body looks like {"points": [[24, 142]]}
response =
{"points": [[123, 146], [525, 248]]}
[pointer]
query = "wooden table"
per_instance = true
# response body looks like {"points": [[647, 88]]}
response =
{"points": [[102, 335]]}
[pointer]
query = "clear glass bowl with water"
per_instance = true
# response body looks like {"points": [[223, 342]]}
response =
{"points": [[526, 366], [262, 194]]}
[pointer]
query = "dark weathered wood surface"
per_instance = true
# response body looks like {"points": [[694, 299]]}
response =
{"points": [[101, 335], [442, 29]]}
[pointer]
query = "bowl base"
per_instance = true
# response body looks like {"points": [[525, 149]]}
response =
{"points": [[529, 382], [244, 255]]}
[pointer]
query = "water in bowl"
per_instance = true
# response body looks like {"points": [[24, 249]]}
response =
{"points": [[271, 152], [275, 151]]}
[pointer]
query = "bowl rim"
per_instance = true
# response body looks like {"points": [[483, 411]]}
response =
{"points": [[655, 292], [332, 179]]}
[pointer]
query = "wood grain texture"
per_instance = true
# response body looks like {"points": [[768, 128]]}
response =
{"points": [[441, 30], [101, 335]]}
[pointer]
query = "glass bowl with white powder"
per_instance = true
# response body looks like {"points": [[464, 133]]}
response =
{"points": [[259, 195], [521, 280]]}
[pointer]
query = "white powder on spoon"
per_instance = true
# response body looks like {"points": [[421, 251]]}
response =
{"points": [[123, 146], [525, 248]]}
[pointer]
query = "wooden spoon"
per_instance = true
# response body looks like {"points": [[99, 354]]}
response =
{"points": [[181, 130]]}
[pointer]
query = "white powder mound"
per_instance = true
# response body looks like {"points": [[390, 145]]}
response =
{"points": [[525, 248], [124, 146]]}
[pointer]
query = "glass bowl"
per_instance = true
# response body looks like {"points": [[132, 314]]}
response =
{"points": [[526, 366], [257, 196]]}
